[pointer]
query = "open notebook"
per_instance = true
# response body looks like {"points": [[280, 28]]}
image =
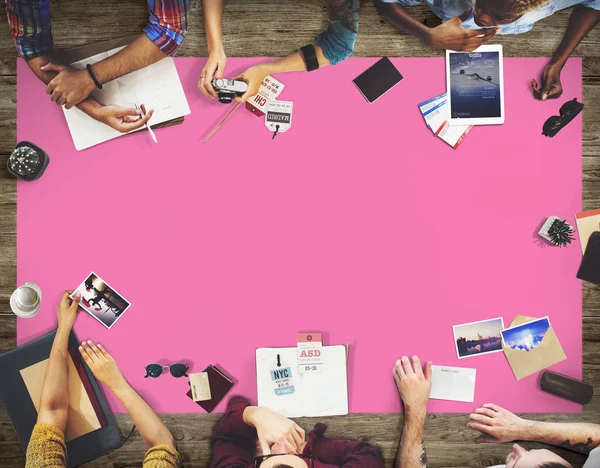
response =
{"points": [[313, 394], [157, 86]]}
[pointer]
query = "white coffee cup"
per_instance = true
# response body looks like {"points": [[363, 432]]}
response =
{"points": [[25, 301]]}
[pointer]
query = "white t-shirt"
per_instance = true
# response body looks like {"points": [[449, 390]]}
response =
{"points": [[593, 460]]}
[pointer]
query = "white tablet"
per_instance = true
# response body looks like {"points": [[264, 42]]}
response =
{"points": [[475, 86]]}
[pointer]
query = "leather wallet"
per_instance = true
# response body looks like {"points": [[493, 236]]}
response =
{"points": [[219, 383]]}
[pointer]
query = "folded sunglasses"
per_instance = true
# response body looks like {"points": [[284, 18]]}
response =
{"points": [[177, 370], [568, 112]]}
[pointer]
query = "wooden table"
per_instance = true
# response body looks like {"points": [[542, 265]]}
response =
{"points": [[267, 28]]}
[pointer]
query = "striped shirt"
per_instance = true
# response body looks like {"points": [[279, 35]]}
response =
{"points": [[29, 22]]}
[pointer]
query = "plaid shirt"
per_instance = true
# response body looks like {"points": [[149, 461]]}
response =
{"points": [[29, 22]]}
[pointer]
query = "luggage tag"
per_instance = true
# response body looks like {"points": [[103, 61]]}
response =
{"points": [[279, 116], [310, 356], [281, 376], [269, 89]]}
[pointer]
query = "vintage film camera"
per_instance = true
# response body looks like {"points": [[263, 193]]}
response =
{"points": [[228, 89]]}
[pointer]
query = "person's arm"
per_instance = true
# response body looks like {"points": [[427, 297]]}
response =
{"points": [[347, 453], [499, 425], [233, 442], [332, 46], [215, 64], [414, 386], [54, 402], [103, 366], [162, 37], [581, 22], [448, 35], [271, 427]]}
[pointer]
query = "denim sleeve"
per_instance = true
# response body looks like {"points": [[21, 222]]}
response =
{"points": [[594, 4], [337, 42]]}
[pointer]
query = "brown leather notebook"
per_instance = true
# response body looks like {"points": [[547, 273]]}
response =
{"points": [[219, 383]]}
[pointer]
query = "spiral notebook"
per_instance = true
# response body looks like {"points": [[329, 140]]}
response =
{"points": [[283, 389]]}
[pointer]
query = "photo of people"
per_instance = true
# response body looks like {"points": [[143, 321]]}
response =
{"points": [[526, 336], [100, 300], [477, 338]]}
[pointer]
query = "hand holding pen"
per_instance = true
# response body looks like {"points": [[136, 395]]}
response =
{"points": [[146, 117]]}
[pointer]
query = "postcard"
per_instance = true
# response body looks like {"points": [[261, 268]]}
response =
{"points": [[476, 338], [531, 345], [100, 300], [453, 383]]}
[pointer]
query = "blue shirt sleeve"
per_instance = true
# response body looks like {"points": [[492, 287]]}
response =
{"points": [[594, 4], [338, 41]]}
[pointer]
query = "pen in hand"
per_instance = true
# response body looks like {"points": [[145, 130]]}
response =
{"points": [[143, 114]]}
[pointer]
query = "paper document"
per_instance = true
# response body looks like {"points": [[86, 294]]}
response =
{"points": [[453, 383], [157, 86], [283, 389]]}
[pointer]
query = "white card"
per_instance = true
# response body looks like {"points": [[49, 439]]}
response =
{"points": [[453, 383]]}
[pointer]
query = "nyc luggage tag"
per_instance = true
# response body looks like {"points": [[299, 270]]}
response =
{"points": [[269, 89], [282, 378], [310, 356], [279, 116]]}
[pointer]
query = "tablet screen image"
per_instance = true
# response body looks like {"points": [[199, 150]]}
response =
{"points": [[475, 86]]}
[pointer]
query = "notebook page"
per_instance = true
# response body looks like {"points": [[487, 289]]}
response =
{"points": [[290, 405], [157, 86], [326, 393]]}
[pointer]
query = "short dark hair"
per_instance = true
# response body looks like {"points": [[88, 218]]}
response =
{"points": [[552, 465], [283, 465]]}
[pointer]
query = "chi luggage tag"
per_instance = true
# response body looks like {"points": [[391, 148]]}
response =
{"points": [[269, 90], [278, 118], [281, 376]]}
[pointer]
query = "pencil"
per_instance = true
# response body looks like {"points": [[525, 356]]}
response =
{"points": [[222, 122]]}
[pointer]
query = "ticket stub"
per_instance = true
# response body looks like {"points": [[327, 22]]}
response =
{"points": [[433, 102], [269, 89], [310, 356], [453, 134], [200, 386], [436, 116]]}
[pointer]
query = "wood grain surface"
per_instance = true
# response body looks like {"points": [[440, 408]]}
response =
{"points": [[269, 28]]}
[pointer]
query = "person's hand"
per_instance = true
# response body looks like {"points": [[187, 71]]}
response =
{"points": [[214, 68], [272, 427], [102, 365], [453, 36], [551, 87], [67, 311], [254, 76], [70, 86], [497, 424], [121, 119], [414, 383]]}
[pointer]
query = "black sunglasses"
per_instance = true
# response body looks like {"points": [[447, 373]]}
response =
{"points": [[155, 370], [262, 458], [568, 112]]}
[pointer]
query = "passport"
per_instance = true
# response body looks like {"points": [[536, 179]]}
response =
{"points": [[219, 384]]}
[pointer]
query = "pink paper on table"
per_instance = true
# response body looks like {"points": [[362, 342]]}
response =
{"points": [[357, 222]]}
